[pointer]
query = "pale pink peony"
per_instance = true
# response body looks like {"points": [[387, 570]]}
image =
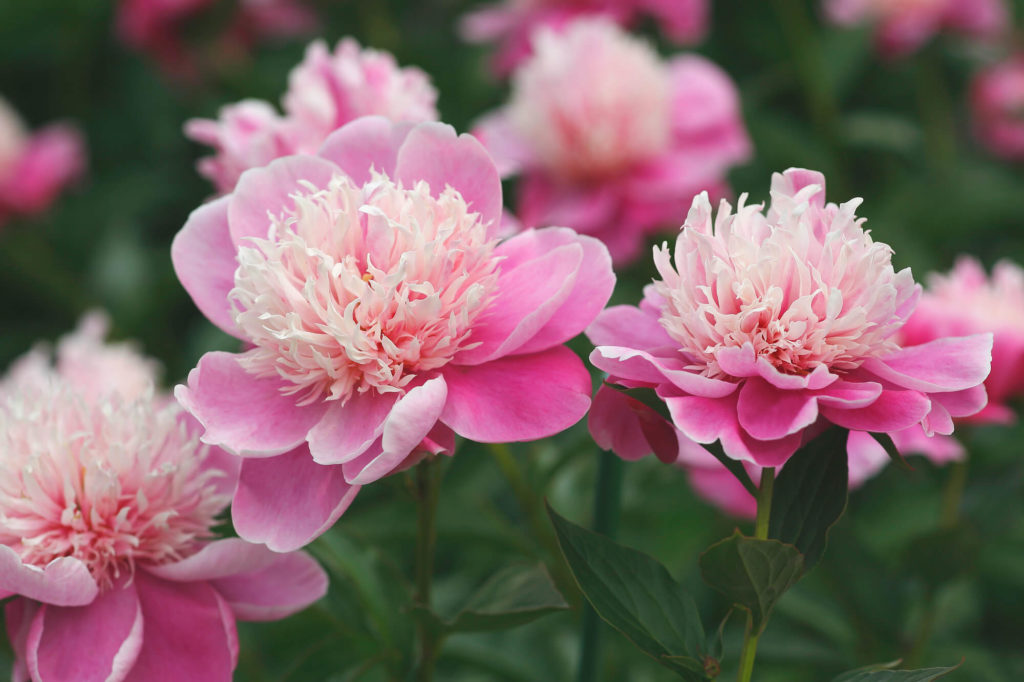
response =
{"points": [[107, 553], [382, 317], [35, 167], [512, 23], [325, 91], [609, 139], [997, 108], [902, 26], [767, 325]]}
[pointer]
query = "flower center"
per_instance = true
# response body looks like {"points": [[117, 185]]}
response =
{"points": [[363, 288]]}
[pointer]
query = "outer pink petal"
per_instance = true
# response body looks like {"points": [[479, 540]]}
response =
{"points": [[266, 191], [287, 501], [242, 413], [54, 157], [948, 364], [767, 413], [190, 633], [865, 457], [290, 583], [95, 643], [205, 261], [18, 617], [63, 582], [511, 153], [627, 326], [517, 398], [432, 152], [719, 487], [348, 429], [939, 449], [629, 428], [850, 394], [217, 559], [370, 142], [892, 411], [637, 365]]}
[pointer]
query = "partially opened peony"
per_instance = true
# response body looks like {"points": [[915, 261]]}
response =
{"points": [[108, 556], [767, 325], [382, 317]]}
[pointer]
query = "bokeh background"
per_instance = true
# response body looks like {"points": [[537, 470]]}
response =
{"points": [[894, 132]]}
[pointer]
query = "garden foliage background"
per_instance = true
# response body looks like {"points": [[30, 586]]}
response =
{"points": [[893, 132]]}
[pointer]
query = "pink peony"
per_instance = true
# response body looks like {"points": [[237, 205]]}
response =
{"points": [[34, 168], [325, 91], [997, 107], [382, 316], [767, 325], [610, 140], [513, 22], [107, 554], [902, 26]]}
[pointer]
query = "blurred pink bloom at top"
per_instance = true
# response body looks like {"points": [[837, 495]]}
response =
{"points": [[997, 108], [107, 556], [767, 325], [902, 26], [325, 91], [512, 23], [611, 140], [35, 167], [381, 315]]}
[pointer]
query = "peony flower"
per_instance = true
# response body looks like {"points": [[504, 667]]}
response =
{"points": [[34, 168], [513, 22], [325, 91], [902, 26], [108, 559], [610, 140], [382, 317], [765, 326], [997, 108]]}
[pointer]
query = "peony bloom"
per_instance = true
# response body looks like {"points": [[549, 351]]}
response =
{"points": [[325, 91], [610, 140], [767, 325], [34, 168], [513, 22], [997, 107], [107, 553], [381, 316], [902, 26]]}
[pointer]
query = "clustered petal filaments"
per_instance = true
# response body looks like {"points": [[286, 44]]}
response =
{"points": [[363, 288]]}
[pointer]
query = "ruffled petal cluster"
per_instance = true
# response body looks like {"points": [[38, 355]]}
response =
{"points": [[611, 140], [382, 317], [107, 506], [767, 325], [327, 90], [997, 103]]}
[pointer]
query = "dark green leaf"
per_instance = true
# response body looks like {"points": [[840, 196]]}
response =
{"points": [[733, 465], [884, 673], [752, 573], [636, 595], [885, 440], [514, 596], [810, 495]]}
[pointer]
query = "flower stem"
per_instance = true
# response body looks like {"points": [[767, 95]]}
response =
{"points": [[764, 511], [953, 494], [428, 478]]}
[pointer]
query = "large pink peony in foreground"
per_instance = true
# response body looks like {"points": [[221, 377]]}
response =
{"points": [[107, 550], [766, 325], [382, 316], [997, 108], [609, 139]]}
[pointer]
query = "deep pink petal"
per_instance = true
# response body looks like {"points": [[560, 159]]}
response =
{"points": [[948, 364], [349, 428], [287, 501], [517, 398], [629, 428], [962, 403], [627, 326], [637, 365], [371, 142], [63, 582], [892, 411], [242, 413], [288, 584], [767, 413], [216, 559], [865, 457], [939, 449]]}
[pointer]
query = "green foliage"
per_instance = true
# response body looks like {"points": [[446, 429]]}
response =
{"points": [[885, 673]]}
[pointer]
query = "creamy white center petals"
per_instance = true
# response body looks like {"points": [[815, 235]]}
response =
{"points": [[363, 288], [592, 100], [111, 483], [805, 285]]}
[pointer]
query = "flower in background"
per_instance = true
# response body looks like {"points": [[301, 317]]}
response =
{"points": [[513, 22], [325, 91], [767, 325], [902, 26], [609, 139], [381, 315], [997, 108], [35, 167], [108, 502]]}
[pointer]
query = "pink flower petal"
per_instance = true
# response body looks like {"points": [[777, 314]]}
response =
{"points": [[517, 398], [865, 457], [892, 411], [288, 584], [242, 413], [627, 326], [348, 429], [287, 501], [767, 413], [63, 582], [18, 617], [217, 559], [370, 142], [927, 368], [850, 394], [629, 428], [636, 365]]}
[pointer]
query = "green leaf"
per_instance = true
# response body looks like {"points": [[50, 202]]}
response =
{"points": [[635, 594], [885, 440], [733, 465], [884, 672], [943, 555], [514, 596], [810, 495], [752, 573]]}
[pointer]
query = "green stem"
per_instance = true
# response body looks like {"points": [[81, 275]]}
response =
{"points": [[936, 110], [764, 512], [428, 480], [953, 494], [607, 508], [915, 658]]}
